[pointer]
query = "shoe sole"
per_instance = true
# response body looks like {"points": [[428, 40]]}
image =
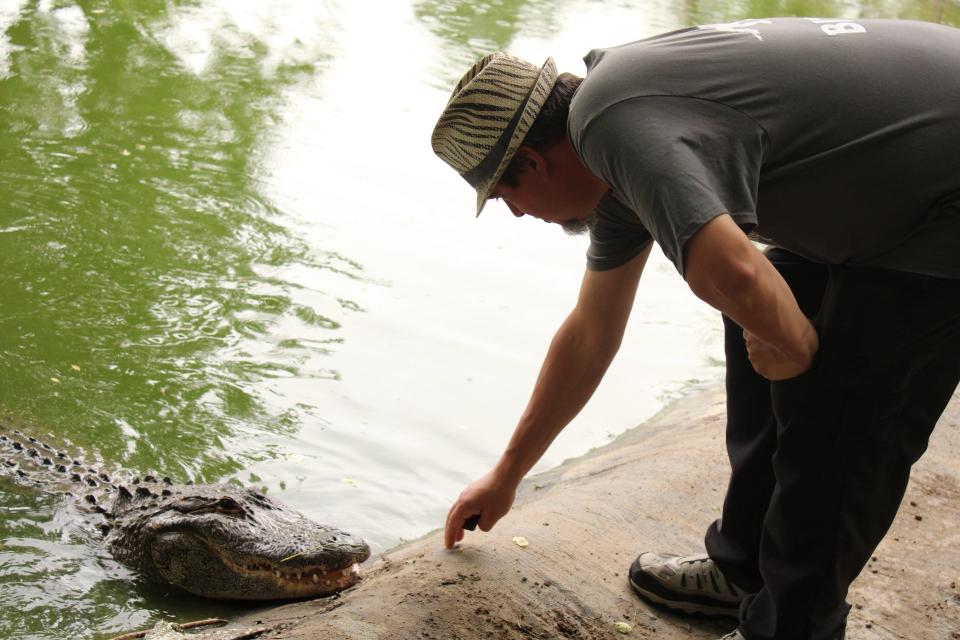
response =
{"points": [[686, 608]]}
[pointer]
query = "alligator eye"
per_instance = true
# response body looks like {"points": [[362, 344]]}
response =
{"points": [[192, 504], [199, 505], [229, 504]]}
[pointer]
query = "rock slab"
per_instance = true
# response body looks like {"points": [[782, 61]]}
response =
{"points": [[656, 487]]}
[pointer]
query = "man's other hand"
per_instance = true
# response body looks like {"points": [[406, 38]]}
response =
{"points": [[772, 364], [490, 497]]}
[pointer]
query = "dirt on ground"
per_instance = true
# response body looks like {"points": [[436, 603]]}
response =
{"points": [[657, 487]]}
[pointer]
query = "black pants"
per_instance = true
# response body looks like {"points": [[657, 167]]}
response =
{"points": [[820, 463]]}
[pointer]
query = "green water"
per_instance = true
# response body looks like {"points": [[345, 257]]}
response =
{"points": [[152, 289], [135, 248], [141, 275]]}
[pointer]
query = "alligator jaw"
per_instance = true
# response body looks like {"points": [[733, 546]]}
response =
{"points": [[306, 583], [192, 564], [298, 582]]}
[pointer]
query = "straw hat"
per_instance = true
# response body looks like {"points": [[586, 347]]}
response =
{"points": [[488, 116]]}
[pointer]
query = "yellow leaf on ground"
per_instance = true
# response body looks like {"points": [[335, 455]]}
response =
{"points": [[622, 627], [521, 542], [54, 380], [75, 367]]}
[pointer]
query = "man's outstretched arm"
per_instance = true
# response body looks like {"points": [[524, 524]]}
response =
{"points": [[579, 355], [725, 270]]}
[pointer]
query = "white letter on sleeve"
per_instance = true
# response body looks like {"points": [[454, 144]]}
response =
{"points": [[842, 28]]}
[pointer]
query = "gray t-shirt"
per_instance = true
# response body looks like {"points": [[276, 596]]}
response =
{"points": [[835, 139]]}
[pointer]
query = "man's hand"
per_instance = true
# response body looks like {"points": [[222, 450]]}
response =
{"points": [[490, 497], [724, 269], [772, 364]]}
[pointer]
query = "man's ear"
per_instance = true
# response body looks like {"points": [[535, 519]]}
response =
{"points": [[531, 159]]}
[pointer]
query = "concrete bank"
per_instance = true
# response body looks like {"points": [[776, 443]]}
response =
{"points": [[656, 487]]}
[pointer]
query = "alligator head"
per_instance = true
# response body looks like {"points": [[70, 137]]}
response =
{"points": [[218, 541]]}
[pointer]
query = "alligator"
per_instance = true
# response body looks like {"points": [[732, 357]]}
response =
{"points": [[212, 540]]}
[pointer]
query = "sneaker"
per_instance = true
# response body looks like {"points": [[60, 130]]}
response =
{"points": [[688, 584], [736, 635]]}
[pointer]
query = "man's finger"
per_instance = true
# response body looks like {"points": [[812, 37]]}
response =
{"points": [[452, 526], [487, 521]]}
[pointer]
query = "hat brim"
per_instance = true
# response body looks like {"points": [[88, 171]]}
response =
{"points": [[531, 108]]}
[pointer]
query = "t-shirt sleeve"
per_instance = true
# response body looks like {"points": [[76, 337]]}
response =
{"points": [[678, 163], [616, 235]]}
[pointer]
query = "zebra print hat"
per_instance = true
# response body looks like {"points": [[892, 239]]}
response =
{"points": [[488, 116]]}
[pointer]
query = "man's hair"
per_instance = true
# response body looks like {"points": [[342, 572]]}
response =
{"points": [[550, 126]]}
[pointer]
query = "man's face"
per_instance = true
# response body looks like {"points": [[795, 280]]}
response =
{"points": [[552, 195], [542, 203]]}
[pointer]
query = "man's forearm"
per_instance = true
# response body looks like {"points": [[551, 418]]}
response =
{"points": [[579, 355], [765, 307], [725, 270], [572, 370]]}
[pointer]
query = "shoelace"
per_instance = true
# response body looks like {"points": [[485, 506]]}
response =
{"points": [[712, 573]]}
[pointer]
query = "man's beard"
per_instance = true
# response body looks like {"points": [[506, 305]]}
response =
{"points": [[579, 227]]}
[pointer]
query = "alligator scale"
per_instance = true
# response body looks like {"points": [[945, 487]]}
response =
{"points": [[213, 540]]}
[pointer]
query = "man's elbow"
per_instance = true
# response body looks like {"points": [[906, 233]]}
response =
{"points": [[727, 278], [589, 333]]}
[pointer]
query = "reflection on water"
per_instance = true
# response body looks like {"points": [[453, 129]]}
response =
{"points": [[474, 29], [226, 252], [705, 11], [144, 296], [141, 263]]}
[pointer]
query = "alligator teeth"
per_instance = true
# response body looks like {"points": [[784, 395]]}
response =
{"points": [[315, 579]]}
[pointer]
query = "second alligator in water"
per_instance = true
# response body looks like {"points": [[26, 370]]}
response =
{"points": [[212, 540]]}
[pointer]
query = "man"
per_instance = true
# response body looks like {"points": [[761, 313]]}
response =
{"points": [[836, 143]]}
